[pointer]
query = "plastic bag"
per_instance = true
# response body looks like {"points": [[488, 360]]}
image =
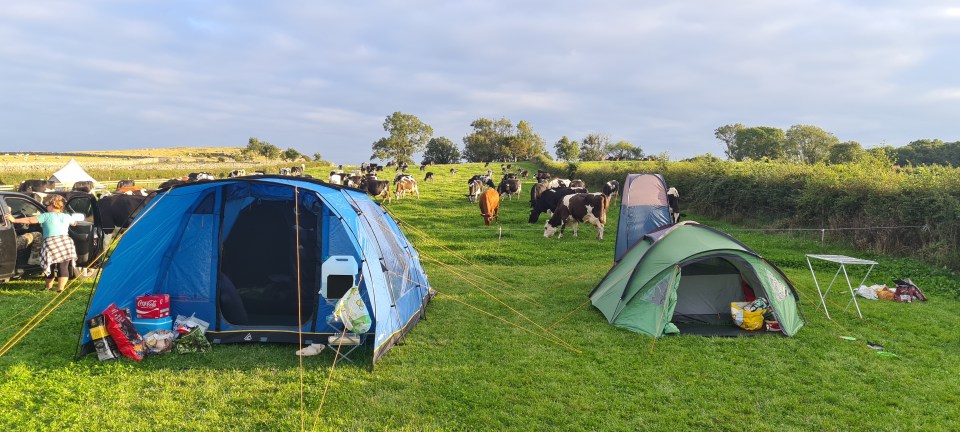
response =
{"points": [[352, 312], [746, 319], [159, 341], [192, 342], [867, 292], [185, 324]]}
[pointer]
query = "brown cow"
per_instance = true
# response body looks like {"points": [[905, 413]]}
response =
{"points": [[406, 185], [576, 208], [490, 206]]}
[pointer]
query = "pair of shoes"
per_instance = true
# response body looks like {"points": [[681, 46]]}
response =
{"points": [[313, 349]]}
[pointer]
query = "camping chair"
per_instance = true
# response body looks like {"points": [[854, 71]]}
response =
{"points": [[346, 342], [351, 312]]}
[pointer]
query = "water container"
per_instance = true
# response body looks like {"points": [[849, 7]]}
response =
{"points": [[338, 274]]}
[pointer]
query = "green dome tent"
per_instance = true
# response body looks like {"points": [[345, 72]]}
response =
{"points": [[687, 275]]}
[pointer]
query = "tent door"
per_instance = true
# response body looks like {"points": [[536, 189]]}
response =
{"points": [[259, 256]]}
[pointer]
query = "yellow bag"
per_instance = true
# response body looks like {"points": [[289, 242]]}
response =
{"points": [[745, 319]]}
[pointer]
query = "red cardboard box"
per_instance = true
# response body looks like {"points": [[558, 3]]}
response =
{"points": [[153, 306]]}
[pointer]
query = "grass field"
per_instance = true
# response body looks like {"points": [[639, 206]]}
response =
{"points": [[510, 343]]}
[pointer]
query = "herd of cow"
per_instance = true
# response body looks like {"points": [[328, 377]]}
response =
{"points": [[117, 207], [567, 201]]}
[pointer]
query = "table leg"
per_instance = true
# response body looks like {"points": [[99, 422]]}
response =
{"points": [[853, 295], [817, 284]]}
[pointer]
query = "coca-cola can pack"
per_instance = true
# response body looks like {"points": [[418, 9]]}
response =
{"points": [[153, 306]]}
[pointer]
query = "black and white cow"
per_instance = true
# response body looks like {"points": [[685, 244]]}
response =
{"points": [[509, 186], [284, 171], [453, 171], [83, 186], [117, 210], [549, 200], [428, 177], [336, 177], [611, 189], [198, 176], [474, 189], [577, 183], [378, 188], [543, 176], [171, 183], [576, 208], [485, 179], [297, 170], [37, 186], [673, 197], [237, 173], [558, 183], [125, 183], [536, 191]]}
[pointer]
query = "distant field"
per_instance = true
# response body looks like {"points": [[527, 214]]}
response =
{"points": [[112, 165]]}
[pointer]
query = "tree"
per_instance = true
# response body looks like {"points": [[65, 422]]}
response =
{"points": [[442, 151], [760, 142], [809, 144], [846, 152], [929, 152], [256, 147], [728, 134], [407, 135], [486, 141], [528, 144], [594, 146], [317, 157], [292, 154], [623, 150], [567, 150]]}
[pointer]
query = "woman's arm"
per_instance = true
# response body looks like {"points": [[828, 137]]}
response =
{"points": [[30, 220]]}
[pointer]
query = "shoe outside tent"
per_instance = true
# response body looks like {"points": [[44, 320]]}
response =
{"points": [[643, 208], [265, 259], [71, 173], [686, 275]]}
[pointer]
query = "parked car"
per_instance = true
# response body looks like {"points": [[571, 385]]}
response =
{"points": [[88, 235]]}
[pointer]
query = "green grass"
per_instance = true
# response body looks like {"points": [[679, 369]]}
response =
{"points": [[483, 361]]}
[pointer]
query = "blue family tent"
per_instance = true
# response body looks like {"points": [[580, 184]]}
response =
{"points": [[644, 208], [265, 259]]}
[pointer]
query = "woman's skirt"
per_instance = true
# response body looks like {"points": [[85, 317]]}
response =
{"points": [[57, 249]]}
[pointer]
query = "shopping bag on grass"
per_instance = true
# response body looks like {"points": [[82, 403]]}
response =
{"points": [[745, 319]]}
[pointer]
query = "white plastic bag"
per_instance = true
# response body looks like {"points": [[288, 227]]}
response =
{"points": [[867, 292], [352, 312]]}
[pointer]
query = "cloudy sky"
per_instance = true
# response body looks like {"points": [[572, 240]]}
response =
{"points": [[321, 76]]}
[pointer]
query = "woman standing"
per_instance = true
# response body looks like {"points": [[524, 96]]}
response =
{"points": [[58, 251]]}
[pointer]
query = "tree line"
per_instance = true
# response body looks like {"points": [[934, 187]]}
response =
{"points": [[811, 144], [490, 140]]}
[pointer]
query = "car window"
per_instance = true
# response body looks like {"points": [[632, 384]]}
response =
{"points": [[82, 205], [22, 208]]}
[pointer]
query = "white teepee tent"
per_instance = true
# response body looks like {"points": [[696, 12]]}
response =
{"points": [[72, 173]]}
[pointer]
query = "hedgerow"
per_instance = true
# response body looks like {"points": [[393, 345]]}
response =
{"points": [[861, 198]]}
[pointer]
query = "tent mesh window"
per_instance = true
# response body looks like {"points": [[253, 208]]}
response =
{"points": [[260, 259]]}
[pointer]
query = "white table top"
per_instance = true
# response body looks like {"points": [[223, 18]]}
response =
{"points": [[842, 259]]}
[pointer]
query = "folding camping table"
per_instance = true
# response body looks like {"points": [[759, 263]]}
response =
{"points": [[844, 261]]}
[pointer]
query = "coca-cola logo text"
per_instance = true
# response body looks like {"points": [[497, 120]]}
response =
{"points": [[147, 304]]}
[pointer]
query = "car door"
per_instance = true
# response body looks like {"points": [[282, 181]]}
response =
{"points": [[86, 234], [22, 206], [8, 245]]}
